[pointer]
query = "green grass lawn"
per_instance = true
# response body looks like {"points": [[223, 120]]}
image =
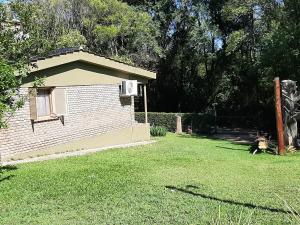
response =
{"points": [[178, 180]]}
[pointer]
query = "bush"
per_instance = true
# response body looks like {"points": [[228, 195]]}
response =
{"points": [[158, 131], [199, 122], [168, 120]]}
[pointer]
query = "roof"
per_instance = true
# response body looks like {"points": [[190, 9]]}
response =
{"points": [[68, 55]]}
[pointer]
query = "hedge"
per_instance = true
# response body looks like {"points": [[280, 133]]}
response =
{"points": [[199, 122]]}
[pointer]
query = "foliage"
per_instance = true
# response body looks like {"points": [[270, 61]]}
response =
{"points": [[9, 102], [73, 38], [111, 28], [217, 176], [123, 59], [281, 47], [225, 52], [107, 27], [158, 131], [205, 52], [168, 120], [235, 39], [200, 123], [13, 68]]}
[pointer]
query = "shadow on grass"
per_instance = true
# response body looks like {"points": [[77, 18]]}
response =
{"points": [[4, 169], [239, 139], [236, 149], [231, 202], [250, 149], [197, 136], [200, 136], [250, 144]]}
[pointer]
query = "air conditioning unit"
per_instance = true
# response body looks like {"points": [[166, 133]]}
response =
{"points": [[129, 88]]}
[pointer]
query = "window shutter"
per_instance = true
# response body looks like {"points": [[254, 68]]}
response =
{"points": [[32, 103], [59, 101]]}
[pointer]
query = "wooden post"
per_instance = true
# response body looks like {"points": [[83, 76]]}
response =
{"points": [[145, 103], [279, 122]]}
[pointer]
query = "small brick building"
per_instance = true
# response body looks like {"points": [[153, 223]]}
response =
{"points": [[79, 106]]}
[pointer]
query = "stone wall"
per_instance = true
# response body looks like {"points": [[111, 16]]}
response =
{"points": [[91, 110]]}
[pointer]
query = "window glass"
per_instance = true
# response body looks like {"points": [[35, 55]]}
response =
{"points": [[43, 102]]}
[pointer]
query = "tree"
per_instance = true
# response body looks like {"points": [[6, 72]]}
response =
{"points": [[107, 27], [205, 52], [12, 66], [110, 28], [224, 51]]}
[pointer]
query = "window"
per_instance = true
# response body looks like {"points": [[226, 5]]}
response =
{"points": [[47, 103], [43, 102]]}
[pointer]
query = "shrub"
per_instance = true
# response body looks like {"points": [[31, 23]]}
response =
{"points": [[168, 120], [158, 131], [199, 122]]}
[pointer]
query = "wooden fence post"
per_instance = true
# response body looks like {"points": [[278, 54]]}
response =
{"points": [[279, 122]]}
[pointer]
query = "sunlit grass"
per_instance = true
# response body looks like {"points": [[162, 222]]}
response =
{"points": [[178, 180]]}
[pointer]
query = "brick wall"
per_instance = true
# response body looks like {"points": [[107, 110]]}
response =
{"points": [[91, 110]]}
